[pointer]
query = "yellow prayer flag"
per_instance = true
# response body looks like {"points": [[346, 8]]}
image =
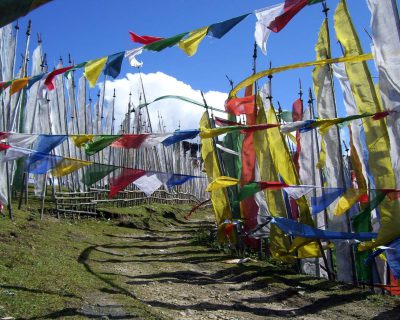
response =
{"points": [[81, 139], [219, 198], [284, 166], [210, 133], [93, 69], [278, 241], [311, 250], [346, 201], [68, 165], [18, 84], [376, 134], [250, 80], [325, 124], [191, 43], [222, 182], [322, 156]]}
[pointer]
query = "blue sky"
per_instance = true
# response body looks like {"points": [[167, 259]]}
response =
{"points": [[90, 29]]}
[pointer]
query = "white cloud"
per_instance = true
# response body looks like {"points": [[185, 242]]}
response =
{"points": [[174, 112]]}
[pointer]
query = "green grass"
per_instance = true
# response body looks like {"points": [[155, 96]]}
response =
{"points": [[44, 265]]}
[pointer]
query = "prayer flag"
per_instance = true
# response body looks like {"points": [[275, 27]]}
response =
{"points": [[294, 228], [67, 166], [18, 84], [180, 135], [131, 56], [376, 133], [4, 146], [251, 189], [41, 163], [47, 142], [290, 9], [346, 201], [264, 18], [148, 183], [165, 43], [126, 177], [81, 139], [191, 43], [218, 30], [96, 172], [93, 69], [219, 198], [100, 142], [49, 82], [130, 141], [222, 182], [238, 106], [328, 197], [178, 179], [143, 39], [113, 65]]}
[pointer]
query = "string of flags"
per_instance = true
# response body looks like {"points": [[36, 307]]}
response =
{"points": [[95, 143], [111, 65], [38, 162]]}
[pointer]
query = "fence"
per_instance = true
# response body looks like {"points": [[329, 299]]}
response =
{"points": [[86, 203]]}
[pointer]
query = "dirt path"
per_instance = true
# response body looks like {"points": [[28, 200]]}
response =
{"points": [[179, 280]]}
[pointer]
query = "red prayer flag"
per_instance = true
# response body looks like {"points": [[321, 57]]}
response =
{"points": [[297, 114], [4, 146], [143, 39], [239, 106], [223, 122], [272, 185], [249, 205], [297, 110], [130, 141], [381, 115], [257, 127], [4, 135], [49, 80], [290, 9], [126, 177]]}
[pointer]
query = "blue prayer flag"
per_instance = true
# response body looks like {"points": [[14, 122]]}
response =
{"points": [[178, 179], [181, 135], [218, 30], [41, 163], [113, 65], [321, 203], [47, 142], [296, 229]]}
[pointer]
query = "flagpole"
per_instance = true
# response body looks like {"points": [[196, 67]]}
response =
{"points": [[328, 265], [325, 10]]}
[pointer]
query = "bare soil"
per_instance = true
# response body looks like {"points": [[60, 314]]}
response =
{"points": [[180, 280]]}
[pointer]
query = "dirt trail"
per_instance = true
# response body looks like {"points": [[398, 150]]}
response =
{"points": [[179, 280]]}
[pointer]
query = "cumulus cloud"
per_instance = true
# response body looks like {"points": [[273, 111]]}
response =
{"points": [[174, 112]]}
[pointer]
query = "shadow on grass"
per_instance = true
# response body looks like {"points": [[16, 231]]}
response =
{"points": [[32, 290], [107, 313]]}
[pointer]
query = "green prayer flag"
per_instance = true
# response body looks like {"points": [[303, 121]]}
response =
{"points": [[362, 223], [100, 143], [96, 172], [165, 43], [233, 166], [248, 190], [310, 2]]}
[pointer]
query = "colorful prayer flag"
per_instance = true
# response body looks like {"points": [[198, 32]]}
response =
{"points": [[93, 69], [143, 39], [191, 43], [126, 177]]}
